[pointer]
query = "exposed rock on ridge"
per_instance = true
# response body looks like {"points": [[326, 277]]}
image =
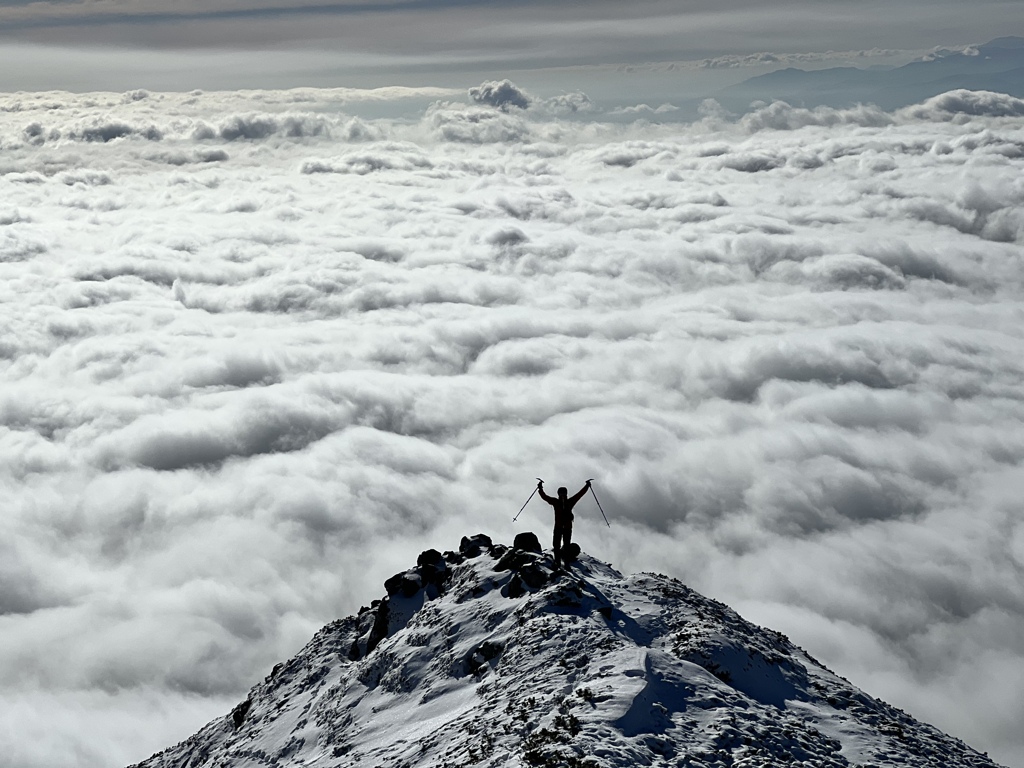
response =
{"points": [[489, 656]]}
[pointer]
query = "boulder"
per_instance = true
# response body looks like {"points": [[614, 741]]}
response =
{"points": [[239, 712], [454, 558], [430, 557], [436, 575], [412, 583], [514, 559], [473, 546], [527, 541], [478, 659], [379, 630], [515, 587], [571, 553], [406, 583], [497, 550], [534, 575], [394, 584]]}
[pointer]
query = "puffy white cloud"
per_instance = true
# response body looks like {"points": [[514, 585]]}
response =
{"points": [[256, 359], [569, 103], [780, 116], [644, 109], [961, 105], [476, 125]]}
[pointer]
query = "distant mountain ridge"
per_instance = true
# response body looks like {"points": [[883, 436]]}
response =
{"points": [[489, 656], [995, 66]]}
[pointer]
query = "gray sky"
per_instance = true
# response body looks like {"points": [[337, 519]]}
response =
{"points": [[266, 43]]}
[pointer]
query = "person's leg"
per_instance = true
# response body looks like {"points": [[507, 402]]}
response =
{"points": [[556, 542]]}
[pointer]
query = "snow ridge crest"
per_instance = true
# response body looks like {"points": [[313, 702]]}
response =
{"points": [[491, 656]]}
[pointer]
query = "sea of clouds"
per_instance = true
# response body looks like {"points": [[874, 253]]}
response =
{"points": [[258, 351]]}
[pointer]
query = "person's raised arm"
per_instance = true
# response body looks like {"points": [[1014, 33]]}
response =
{"points": [[540, 490], [576, 497]]}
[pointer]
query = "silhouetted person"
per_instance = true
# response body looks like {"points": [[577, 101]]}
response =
{"points": [[563, 516]]}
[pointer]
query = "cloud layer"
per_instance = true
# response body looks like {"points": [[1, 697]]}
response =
{"points": [[258, 351]]}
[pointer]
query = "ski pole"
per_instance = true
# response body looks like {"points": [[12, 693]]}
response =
{"points": [[527, 502], [599, 504]]}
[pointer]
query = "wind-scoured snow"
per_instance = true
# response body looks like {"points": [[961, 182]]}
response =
{"points": [[489, 656]]}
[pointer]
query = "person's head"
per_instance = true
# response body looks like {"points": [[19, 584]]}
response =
{"points": [[563, 492]]}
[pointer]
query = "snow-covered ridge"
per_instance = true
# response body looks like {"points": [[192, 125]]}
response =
{"points": [[489, 656]]}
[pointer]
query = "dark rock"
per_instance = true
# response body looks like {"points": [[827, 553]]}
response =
{"points": [[534, 575], [568, 597], [472, 547], [393, 585], [527, 577], [380, 626], [435, 576], [510, 561], [571, 553], [498, 550], [406, 583], [432, 567], [365, 627], [527, 541], [239, 712], [435, 583], [430, 557], [477, 659], [454, 558], [515, 587], [490, 650], [412, 583], [515, 559]]}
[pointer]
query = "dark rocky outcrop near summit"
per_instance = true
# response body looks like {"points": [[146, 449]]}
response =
{"points": [[473, 546], [527, 541]]}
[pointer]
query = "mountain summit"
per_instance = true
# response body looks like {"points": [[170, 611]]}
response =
{"points": [[489, 656]]}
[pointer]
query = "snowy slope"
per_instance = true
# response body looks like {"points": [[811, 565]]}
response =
{"points": [[489, 657]]}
